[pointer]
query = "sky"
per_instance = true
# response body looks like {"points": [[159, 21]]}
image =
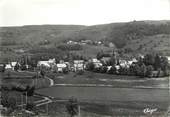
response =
{"points": [[80, 12]]}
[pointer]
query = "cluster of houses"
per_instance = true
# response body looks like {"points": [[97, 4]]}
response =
{"points": [[84, 42], [62, 65], [10, 65], [90, 42], [75, 65]]}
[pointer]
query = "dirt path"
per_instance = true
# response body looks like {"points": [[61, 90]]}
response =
{"points": [[51, 81]]}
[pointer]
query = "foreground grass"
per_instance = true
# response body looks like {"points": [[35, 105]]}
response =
{"points": [[108, 109]]}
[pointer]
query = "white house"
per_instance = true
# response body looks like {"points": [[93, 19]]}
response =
{"points": [[108, 68], [72, 42], [43, 63], [168, 57], [105, 59], [50, 63], [123, 63], [78, 65], [96, 62], [8, 66], [61, 67], [13, 64]]}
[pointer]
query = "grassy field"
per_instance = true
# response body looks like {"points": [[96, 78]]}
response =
{"points": [[91, 50], [96, 108], [107, 79], [22, 79]]}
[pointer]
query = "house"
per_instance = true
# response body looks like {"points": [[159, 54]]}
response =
{"points": [[72, 42], [112, 45], [117, 67], [108, 68], [8, 67], [48, 64], [99, 42], [19, 51], [43, 63], [134, 60], [105, 59], [83, 42], [61, 61], [61, 67], [123, 63], [52, 61], [68, 65], [96, 62], [13, 64], [168, 57], [78, 65]]}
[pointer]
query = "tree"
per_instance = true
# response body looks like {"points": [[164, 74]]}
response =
{"points": [[4, 98], [112, 61], [149, 70], [132, 70], [164, 64], [65, 70], [123, 71], [90, 66], [8, 101], [3, 68], [137, 69], [103, 69], [157, 63], [99, 55], [12, 103], [42, 73], [143, 70], [72, 107], [149, 59], [16, 67], [30, 91]]}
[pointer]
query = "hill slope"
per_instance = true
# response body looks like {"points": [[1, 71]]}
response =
{"points": [[119, 33]]}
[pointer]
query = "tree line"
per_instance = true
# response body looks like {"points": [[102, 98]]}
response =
{"points": [[151, 65]]}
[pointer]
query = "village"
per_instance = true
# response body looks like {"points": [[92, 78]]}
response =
{"points": [[109, 63]]}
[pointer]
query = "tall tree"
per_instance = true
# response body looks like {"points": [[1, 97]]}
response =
{"points": [[143, 70], [149, 70]]}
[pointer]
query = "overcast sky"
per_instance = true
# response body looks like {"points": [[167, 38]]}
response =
{"points": [[83, 12]]}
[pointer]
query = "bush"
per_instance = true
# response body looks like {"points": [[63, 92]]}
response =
{"points": [[30, 106], [90, 66], [65, 70], [80, 72], [103, 69], [8, 101]]}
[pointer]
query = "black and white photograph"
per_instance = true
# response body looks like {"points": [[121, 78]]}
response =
{"points": [[84, 58]]}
